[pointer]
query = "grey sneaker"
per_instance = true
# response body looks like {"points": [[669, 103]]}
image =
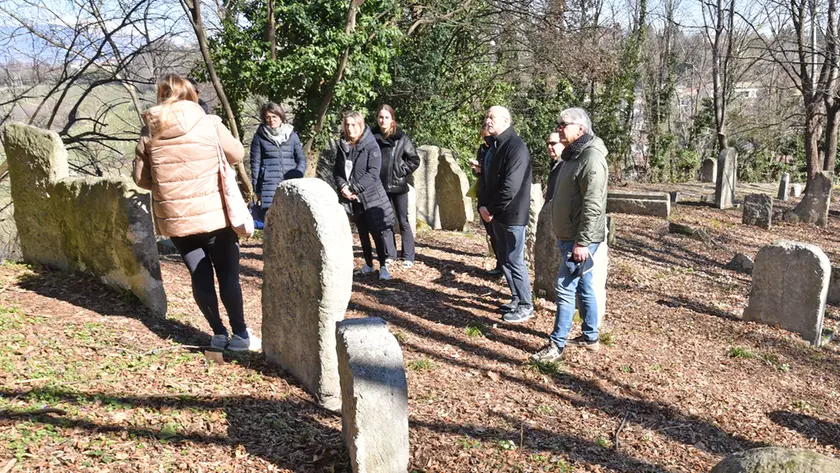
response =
{"points": [[509, 307], [252, 343], [384, 275], [549, 354], [364, 270], [219, 342], [521, 314], [591, 345]]}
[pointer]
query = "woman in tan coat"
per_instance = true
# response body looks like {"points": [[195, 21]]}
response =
{"points": [[177, 158]]}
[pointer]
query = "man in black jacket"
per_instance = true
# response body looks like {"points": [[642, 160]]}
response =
{"points": [[504, 196]]}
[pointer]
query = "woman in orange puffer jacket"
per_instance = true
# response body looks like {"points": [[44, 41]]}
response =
{"points": [[177, 158]]}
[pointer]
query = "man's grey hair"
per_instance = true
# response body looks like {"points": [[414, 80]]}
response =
{"points": [[578, 116]]}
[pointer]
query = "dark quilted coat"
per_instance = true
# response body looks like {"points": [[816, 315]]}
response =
{"points": [[272, 164], [364, 180]]}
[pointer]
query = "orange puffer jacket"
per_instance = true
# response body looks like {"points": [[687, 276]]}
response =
{"points": [[181, 168]]}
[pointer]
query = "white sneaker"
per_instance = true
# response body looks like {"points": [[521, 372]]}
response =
{"points": [[407, 264], [389, 262], [384, 275], [252, 343], [219, 342], [364, 270]]}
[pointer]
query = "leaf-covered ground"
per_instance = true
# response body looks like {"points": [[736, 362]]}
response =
{"points": [[91, 383]]}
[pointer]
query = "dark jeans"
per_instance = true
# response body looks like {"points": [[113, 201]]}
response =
{"points": [[204, 252], [400, 203], [492, 234], [384, 240], [510, 241]]}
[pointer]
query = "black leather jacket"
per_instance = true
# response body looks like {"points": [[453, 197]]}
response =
{"points": [[399, 160]]}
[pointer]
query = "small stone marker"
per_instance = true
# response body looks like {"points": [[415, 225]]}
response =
{"points": [[758, 210], [784, 187], [727, 178], [657, 204], [374, 393], [708, 171], [675, 196], [307, 282], [789, 288], [741, 263], [451, 186], [423, 180], [796, 190], [777, 460]]}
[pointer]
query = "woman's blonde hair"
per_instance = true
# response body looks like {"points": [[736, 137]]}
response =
{"points": [[393, 128], [171, 88], [356, 116]]}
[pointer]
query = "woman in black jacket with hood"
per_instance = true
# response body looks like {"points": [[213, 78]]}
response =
{"points": [[399, 161], [276, 155], [356, 174]]}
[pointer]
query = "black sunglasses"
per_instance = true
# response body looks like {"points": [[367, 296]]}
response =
{"points": [[552, 143]]}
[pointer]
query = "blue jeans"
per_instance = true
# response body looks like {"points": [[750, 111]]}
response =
{"points": [[568, 288], [510, 250]]}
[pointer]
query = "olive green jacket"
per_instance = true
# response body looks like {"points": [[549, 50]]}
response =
{"points": [[578, 208]]}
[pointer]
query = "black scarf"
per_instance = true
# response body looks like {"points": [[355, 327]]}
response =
{"points": [[576, 147]]}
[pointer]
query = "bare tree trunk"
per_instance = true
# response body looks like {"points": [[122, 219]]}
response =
{"points": [[312, 161], [272, 30], [193, 11]]}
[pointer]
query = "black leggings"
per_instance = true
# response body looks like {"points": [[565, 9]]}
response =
{"points": [[384, 239], [400, 203], [219, 250]]}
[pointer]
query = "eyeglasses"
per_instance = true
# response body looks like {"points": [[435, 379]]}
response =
{"points": [[562, 125], [552, 143]]}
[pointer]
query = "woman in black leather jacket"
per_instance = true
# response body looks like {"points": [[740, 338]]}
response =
{"points": [[399, 160]]}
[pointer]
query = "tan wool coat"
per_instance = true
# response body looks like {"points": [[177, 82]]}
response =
{"points": [[180, 165]]}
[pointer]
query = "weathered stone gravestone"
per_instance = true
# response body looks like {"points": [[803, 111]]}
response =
{"points": [[537, 203], [796, 190], [451, 186], [727, 178], [833, 296], [815, 203], [423, 180], [307, 282], [99, 225], [758, 210], [741, 263], [708, 171], [777, 460], [789, 288], [784, 187], [548, 257], [412, 212], [374, 396], [656, 204]]}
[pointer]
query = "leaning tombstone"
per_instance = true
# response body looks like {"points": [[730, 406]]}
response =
{"points": [[451, 186], [727, 178], [708, 171], [758, 210], [536, 205], [784, 187], [423, 180], [834, 286], [307, 280], [374, 396], [789, 288]]}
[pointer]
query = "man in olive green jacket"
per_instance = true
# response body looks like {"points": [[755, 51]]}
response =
{"points": [[578, 212]]}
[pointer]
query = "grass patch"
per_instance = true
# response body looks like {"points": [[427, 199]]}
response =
{"points": [[469, 443], [423, 364], [477, 330], [546, 367], [608, 339], [741, 352]]}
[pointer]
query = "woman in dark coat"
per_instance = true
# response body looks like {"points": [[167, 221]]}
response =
{"points": [[276, 155], [399, 160], [356, 174]]}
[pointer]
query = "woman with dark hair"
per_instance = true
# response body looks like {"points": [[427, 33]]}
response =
{"points": [[178, 159], [276, 155], [399, 160], [356, 174]]}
